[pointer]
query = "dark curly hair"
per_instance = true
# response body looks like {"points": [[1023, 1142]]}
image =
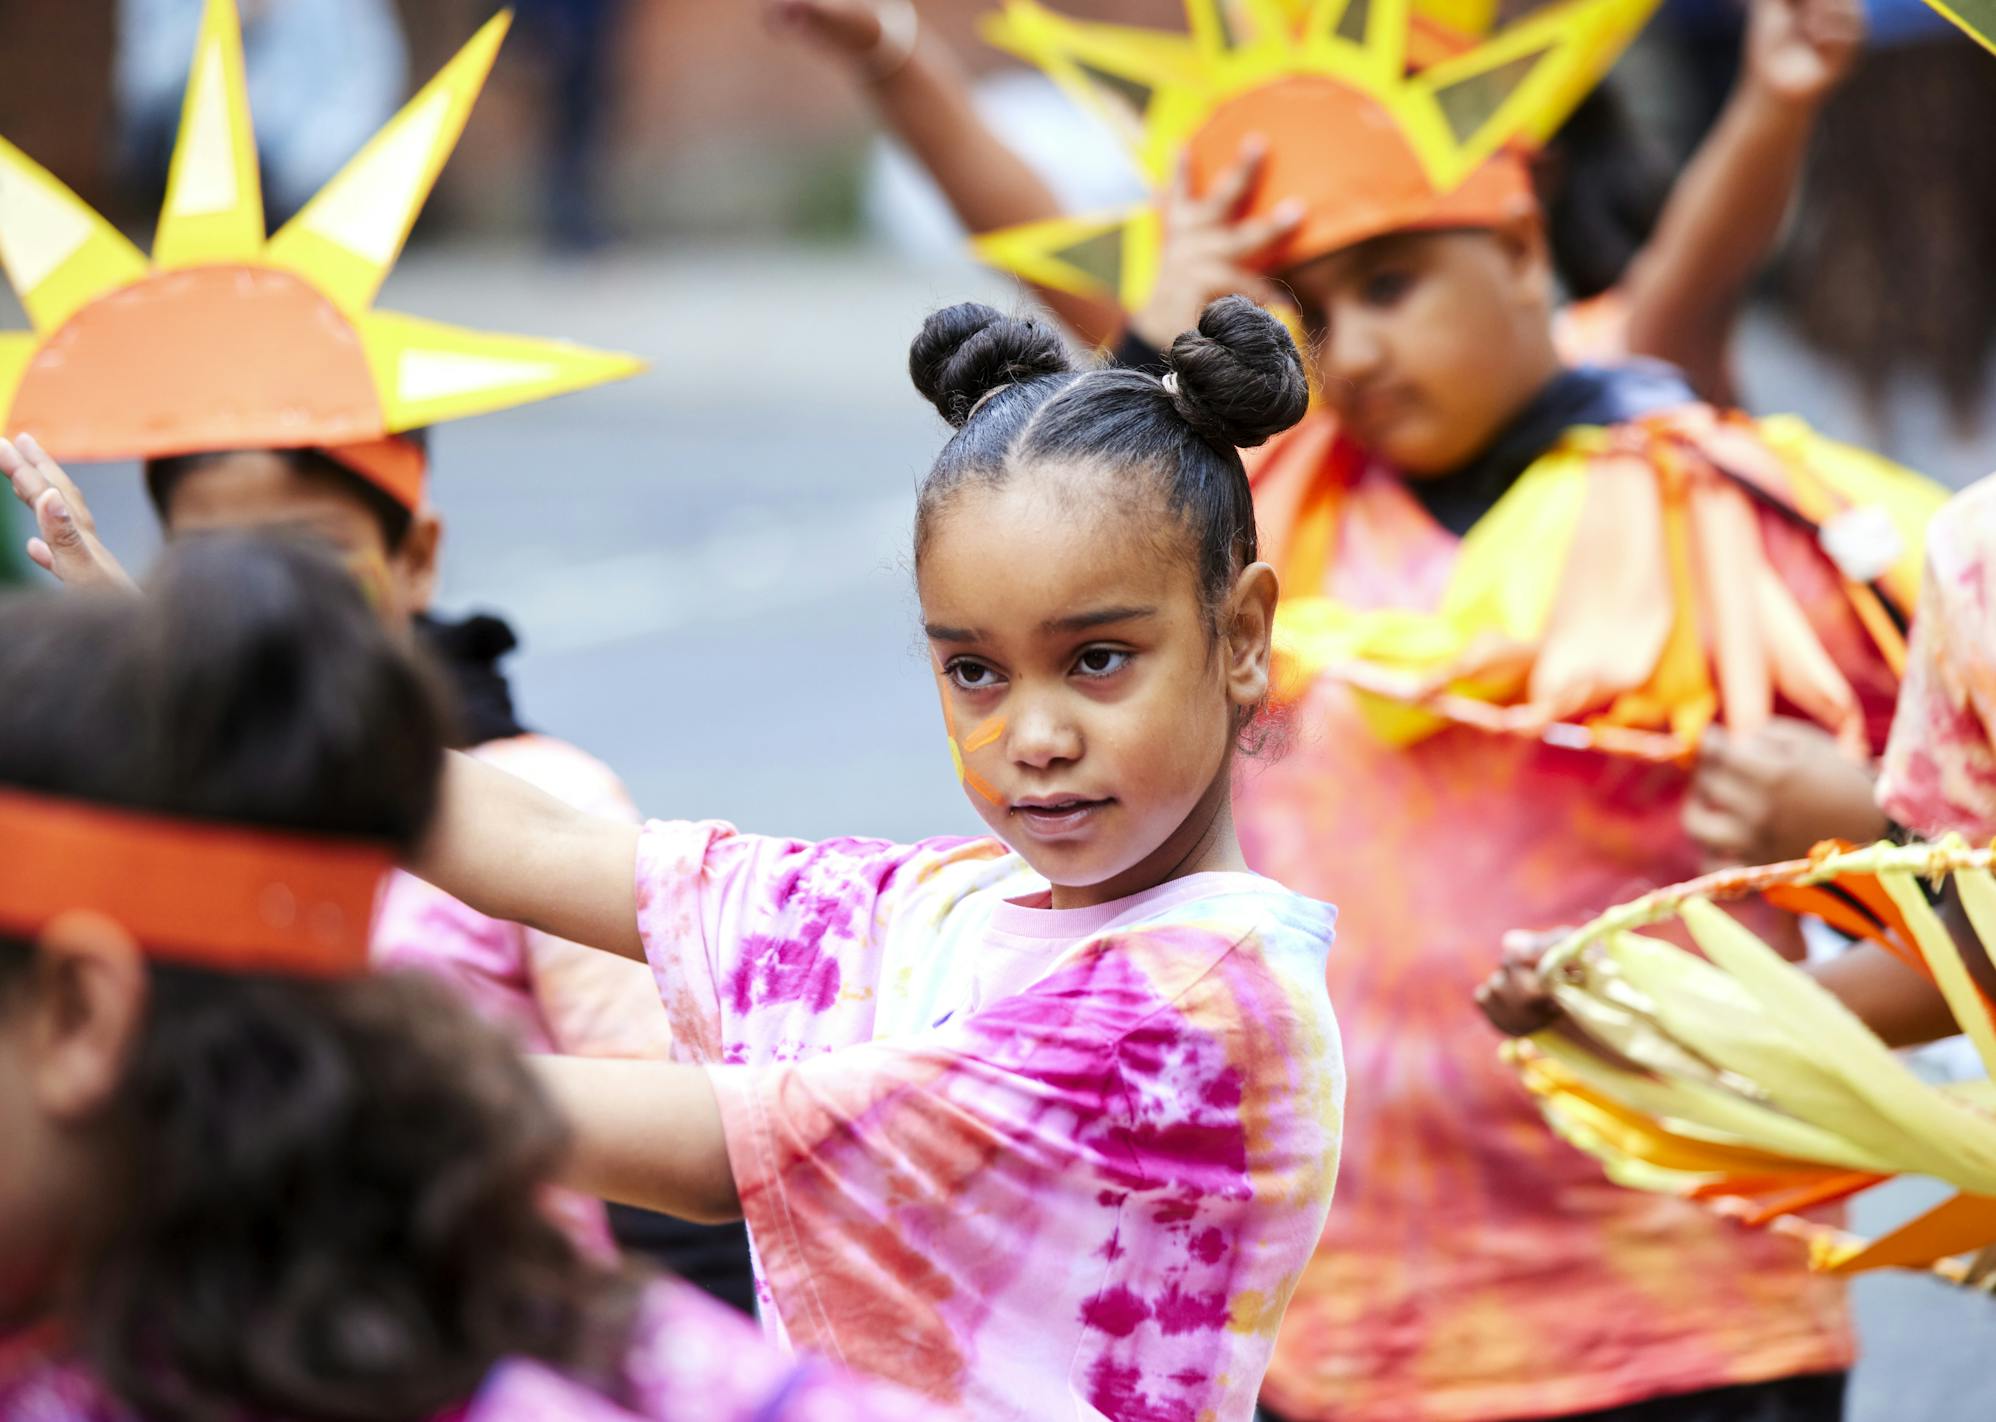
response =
{"points": [[1015, 398], [323, 1197]]}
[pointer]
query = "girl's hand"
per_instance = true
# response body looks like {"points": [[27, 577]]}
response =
{"points": [[876, 37], [1209, 252], [68, 546], [1798, 51], [1776, 794], [1515, 998]]}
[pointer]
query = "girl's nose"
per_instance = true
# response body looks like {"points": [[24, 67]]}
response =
{"points": [[1042, 734]]}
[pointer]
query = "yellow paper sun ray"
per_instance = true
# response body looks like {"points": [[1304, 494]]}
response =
{"points": [[1975, 18], [1045, 253], [59, 254], [1753, 1073], [347, 238], [213, 212], [429, 372]]}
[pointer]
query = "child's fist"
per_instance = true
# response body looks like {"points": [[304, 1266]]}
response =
{"points": [[876, 35], [1775, 794], [850, 27], [1800, 50], [1515, 997]]}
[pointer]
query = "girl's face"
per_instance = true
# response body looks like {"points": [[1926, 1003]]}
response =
{"points": [[1091, 706], [259, 491], [1431, 342]]}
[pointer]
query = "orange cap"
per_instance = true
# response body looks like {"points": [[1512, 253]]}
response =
{"points": [[1366, 184]]}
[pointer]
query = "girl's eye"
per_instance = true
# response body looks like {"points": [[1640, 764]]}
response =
{"points": [[971, 676], [1101, 661], [1385, 288]]}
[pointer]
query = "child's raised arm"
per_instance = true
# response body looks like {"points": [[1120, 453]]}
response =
{"points": [[922, 93], [513, 851], [1725, 212]]}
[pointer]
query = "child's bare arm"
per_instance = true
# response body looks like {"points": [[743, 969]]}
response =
{"points": [[645, 1133], [1902, 1007], [515, 852], [1725, 212], [925, 99]]}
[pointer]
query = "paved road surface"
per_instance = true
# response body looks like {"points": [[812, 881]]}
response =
{"points": [[708, 567]]}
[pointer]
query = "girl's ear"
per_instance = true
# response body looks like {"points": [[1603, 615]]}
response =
{"points": [[1248, 631], [88, 1004], [416, 561]]}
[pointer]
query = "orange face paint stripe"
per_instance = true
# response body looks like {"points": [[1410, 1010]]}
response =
{"points": [[985, 735], [203, 894]]}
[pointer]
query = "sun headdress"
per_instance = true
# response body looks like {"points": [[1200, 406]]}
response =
{"points": [[226, 338], [1377, 117]]}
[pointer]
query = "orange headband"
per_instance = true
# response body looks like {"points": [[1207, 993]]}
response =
{"points": [[392, 464], [215, 896]]}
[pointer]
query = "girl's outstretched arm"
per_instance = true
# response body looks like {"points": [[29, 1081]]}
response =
{"points": [[646, 1134], [513, 851], [923, 94], [1725, 212]]}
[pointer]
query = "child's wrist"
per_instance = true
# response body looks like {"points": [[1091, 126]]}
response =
{"points": [[1768, 103]]}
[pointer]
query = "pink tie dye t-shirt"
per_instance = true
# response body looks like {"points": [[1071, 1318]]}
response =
{"points": [[1030, 1163]]}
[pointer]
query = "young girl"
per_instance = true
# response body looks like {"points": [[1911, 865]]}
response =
{"points": [[1040, 1123], [242, 1178]]}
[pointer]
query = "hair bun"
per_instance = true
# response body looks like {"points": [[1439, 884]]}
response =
{"points": [[1240, 379], [967, 351]]}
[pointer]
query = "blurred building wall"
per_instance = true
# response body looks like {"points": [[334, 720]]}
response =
{"points": [[717, 125], [56, 102]]}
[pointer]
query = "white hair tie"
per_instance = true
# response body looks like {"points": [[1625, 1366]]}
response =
{"points": [[1171, 383]]}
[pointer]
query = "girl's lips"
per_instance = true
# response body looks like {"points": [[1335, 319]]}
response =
{"points": [[1062, 819]]}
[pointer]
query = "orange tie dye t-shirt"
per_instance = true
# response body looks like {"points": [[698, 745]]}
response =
{"points": [[1477, 1268], [1028, 1162]]}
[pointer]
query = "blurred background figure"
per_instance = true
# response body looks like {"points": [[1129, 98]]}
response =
{"points": [[573, 42], [323, 76]]}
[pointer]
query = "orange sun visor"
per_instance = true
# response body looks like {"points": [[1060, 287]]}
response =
{"points": [[207, 895]]}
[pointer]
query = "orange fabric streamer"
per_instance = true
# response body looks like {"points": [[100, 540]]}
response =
{"points": [[209, 895]]}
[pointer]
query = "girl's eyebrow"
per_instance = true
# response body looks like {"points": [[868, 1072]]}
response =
{"points": [[939, 633], [1101, 617]]}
